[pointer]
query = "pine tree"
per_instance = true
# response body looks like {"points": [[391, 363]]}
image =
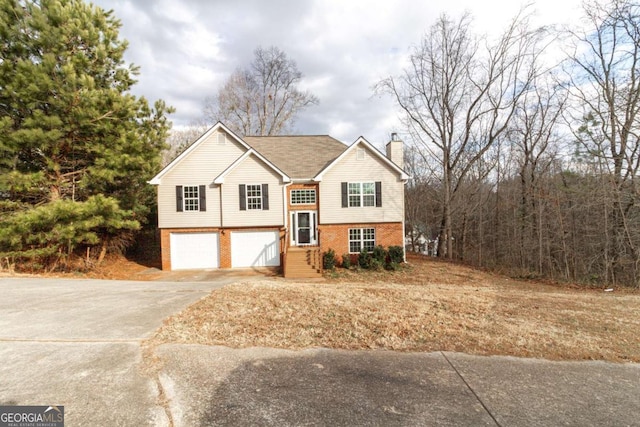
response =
{"points": [[70, 130]]}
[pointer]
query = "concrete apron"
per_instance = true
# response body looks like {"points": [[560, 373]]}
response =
{"points": [[208, 385]]}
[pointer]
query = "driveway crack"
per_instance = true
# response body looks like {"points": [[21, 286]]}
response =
{"points": [[151, 367], [470, 389]]}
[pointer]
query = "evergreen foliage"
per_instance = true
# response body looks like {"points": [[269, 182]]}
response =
{"points": [[396, 254], [346, 260], [364, 259], [329, 259], [76, 147]]}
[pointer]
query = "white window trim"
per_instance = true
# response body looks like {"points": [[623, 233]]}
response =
{"points": [[309, 190], [361, 194], [362, 239], [259, 197], [196, 198]]}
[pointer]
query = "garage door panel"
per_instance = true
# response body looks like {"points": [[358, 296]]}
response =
{"points": [[255, 249], [194, 251]]}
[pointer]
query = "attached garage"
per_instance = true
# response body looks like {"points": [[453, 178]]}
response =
{"points": [[194, 250], [255, 249]]}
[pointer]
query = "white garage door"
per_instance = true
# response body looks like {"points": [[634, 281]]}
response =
{"points": [[255, 249], [194, 250]]}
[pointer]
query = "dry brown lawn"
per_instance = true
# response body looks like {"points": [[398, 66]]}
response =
{"points": [[428, 306]]}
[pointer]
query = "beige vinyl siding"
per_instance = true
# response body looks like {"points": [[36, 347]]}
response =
{"points": [[369, 169], [252, 171], [200, 167]]}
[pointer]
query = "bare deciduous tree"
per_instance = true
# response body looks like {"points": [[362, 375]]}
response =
{"points": [[606, 89], [262, 99], [535, 138], [458, 96]]}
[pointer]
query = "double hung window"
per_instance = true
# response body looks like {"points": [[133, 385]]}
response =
{"points": [[362, 238], [361, 194]]}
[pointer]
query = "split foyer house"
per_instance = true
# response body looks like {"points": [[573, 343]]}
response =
{"points": [[231, 202]]}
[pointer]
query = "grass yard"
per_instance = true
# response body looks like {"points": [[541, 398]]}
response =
{"points": [[428, 306]]}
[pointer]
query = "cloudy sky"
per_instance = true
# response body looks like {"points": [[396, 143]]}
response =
{"points": [[187, 48]]}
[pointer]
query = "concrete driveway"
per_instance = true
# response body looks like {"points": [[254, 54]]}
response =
{"points": [[77, 343]]}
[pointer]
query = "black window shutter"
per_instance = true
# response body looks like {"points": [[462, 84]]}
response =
{"points": [[265, 197], [378, 194], [178, 198], [202, 195], [293, 226], [345, 195], [243, 197]]}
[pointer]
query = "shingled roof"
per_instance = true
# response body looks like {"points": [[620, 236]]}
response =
{"points": [[300, 157]]}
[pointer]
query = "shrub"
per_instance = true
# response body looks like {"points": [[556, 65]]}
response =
{"points": [[375, 264], [364, 259], [396, 254], [380, 254], [346, 261], [329, 260], [392, 266]]}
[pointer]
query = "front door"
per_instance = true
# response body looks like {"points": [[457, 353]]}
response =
{"points": [[304, 226]]}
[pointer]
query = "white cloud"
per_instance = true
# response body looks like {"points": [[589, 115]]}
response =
{"points": [[187, 49]]}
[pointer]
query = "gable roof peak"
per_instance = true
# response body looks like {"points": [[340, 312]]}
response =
{"points": [[219, 125], [363, 141]]}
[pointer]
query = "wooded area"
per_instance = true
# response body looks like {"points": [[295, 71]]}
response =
{"points": [[524, 150], [76, 147]]}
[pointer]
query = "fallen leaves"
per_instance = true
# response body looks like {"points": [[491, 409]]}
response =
{"points": [[428, 306]]}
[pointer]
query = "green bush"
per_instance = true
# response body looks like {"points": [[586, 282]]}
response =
{"points": [[392, 266], [364, 259], [346, 261], [396, 254], [329, 260], [375, 264], [380, 254]]}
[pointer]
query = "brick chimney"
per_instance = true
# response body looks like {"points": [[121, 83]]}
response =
{"points": [[395, 151]]}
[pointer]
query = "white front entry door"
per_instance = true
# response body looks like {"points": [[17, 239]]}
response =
{"points": [[304, 228]]}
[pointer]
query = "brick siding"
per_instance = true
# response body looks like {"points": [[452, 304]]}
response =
{"points": [[296, 186], [336, 236]]}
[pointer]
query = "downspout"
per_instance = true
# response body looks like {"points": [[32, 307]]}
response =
{"points": [[221, 210]]}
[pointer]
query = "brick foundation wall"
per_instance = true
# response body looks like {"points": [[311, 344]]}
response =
{"points": [[336, 236], [224, 236]]}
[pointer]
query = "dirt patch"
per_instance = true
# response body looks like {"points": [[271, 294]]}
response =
{"points": [[428, 306], [113, 267]]}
